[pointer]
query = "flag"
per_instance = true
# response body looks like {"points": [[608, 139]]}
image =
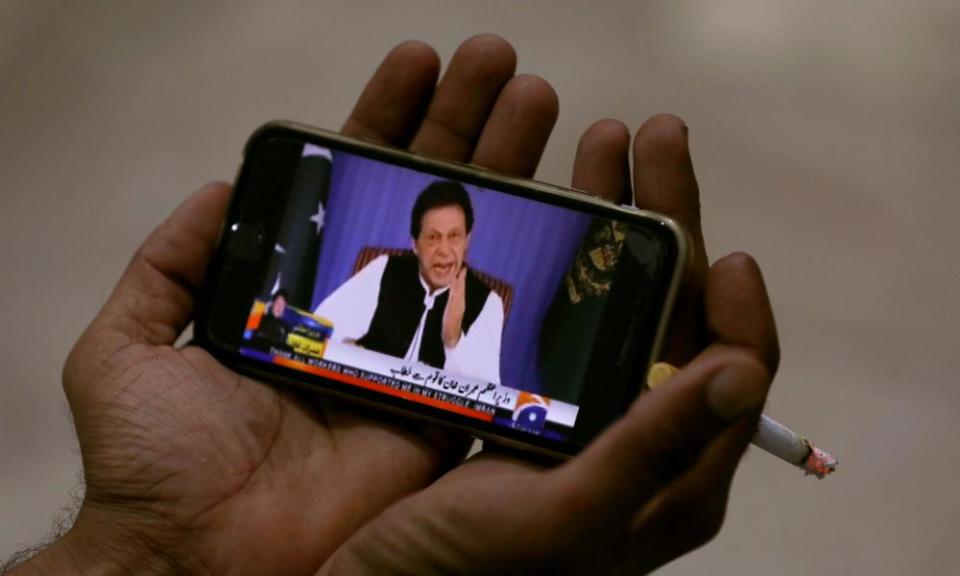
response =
{"points": [[570, 327], [294, 264]]}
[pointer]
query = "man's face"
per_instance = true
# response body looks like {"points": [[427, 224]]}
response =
{"points": [[442, 245], [279, 305]]}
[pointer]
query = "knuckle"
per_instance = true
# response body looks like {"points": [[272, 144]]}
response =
{"points": [[746, 361]]}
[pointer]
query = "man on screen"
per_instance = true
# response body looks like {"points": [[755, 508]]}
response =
{"points": [[429, 306], [272, 328]]}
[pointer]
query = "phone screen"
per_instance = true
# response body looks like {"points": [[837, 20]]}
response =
{"points": [[429, 289]]}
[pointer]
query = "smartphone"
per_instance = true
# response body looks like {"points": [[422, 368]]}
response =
{"points": [[524, 313]]}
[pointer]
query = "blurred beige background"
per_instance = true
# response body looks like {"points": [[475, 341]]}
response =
{"points": [[825, 137]]}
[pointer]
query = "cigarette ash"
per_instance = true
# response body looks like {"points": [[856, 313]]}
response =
{"points": [[819, 463]]}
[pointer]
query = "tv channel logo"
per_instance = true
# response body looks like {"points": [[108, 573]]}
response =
{"points": [[530, 415]]}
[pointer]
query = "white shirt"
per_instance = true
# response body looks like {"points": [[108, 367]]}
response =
{"points": [[350, 308]]}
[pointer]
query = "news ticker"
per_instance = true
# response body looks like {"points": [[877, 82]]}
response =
{"points": [[422, 384]]}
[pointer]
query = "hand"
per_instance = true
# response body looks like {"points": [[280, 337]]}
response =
{"points": [[654, 485], [191, 467], [456, 304]]}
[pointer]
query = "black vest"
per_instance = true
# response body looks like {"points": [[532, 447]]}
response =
{"points": [[400, 306]]}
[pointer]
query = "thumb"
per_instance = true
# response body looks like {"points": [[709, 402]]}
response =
{"points": [[154, 300], [664, 434]]}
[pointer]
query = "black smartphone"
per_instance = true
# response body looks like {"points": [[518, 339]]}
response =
{"points": [[524, 313]]}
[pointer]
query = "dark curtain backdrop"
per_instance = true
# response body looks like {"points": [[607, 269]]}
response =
{"points": [[527, 244]]}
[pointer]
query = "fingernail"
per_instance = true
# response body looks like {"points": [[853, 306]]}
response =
{"points": [[734, 392]]}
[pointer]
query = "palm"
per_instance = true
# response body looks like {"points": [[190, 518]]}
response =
{"points": [[222, 454], [455, 516]]}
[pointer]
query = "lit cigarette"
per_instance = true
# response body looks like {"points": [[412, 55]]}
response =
{"points": [[771, 436]]}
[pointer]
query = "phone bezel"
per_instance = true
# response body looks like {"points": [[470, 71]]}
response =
{"points": [[226, 351]]}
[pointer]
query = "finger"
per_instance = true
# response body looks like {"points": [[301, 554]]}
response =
{"points": [[154, 300], [394, 100], [519, 126], [738, 308], [663, 436], [479, 69], [602, 165], [664, 182], [663, 177], [492, 461], [691, 510]]}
